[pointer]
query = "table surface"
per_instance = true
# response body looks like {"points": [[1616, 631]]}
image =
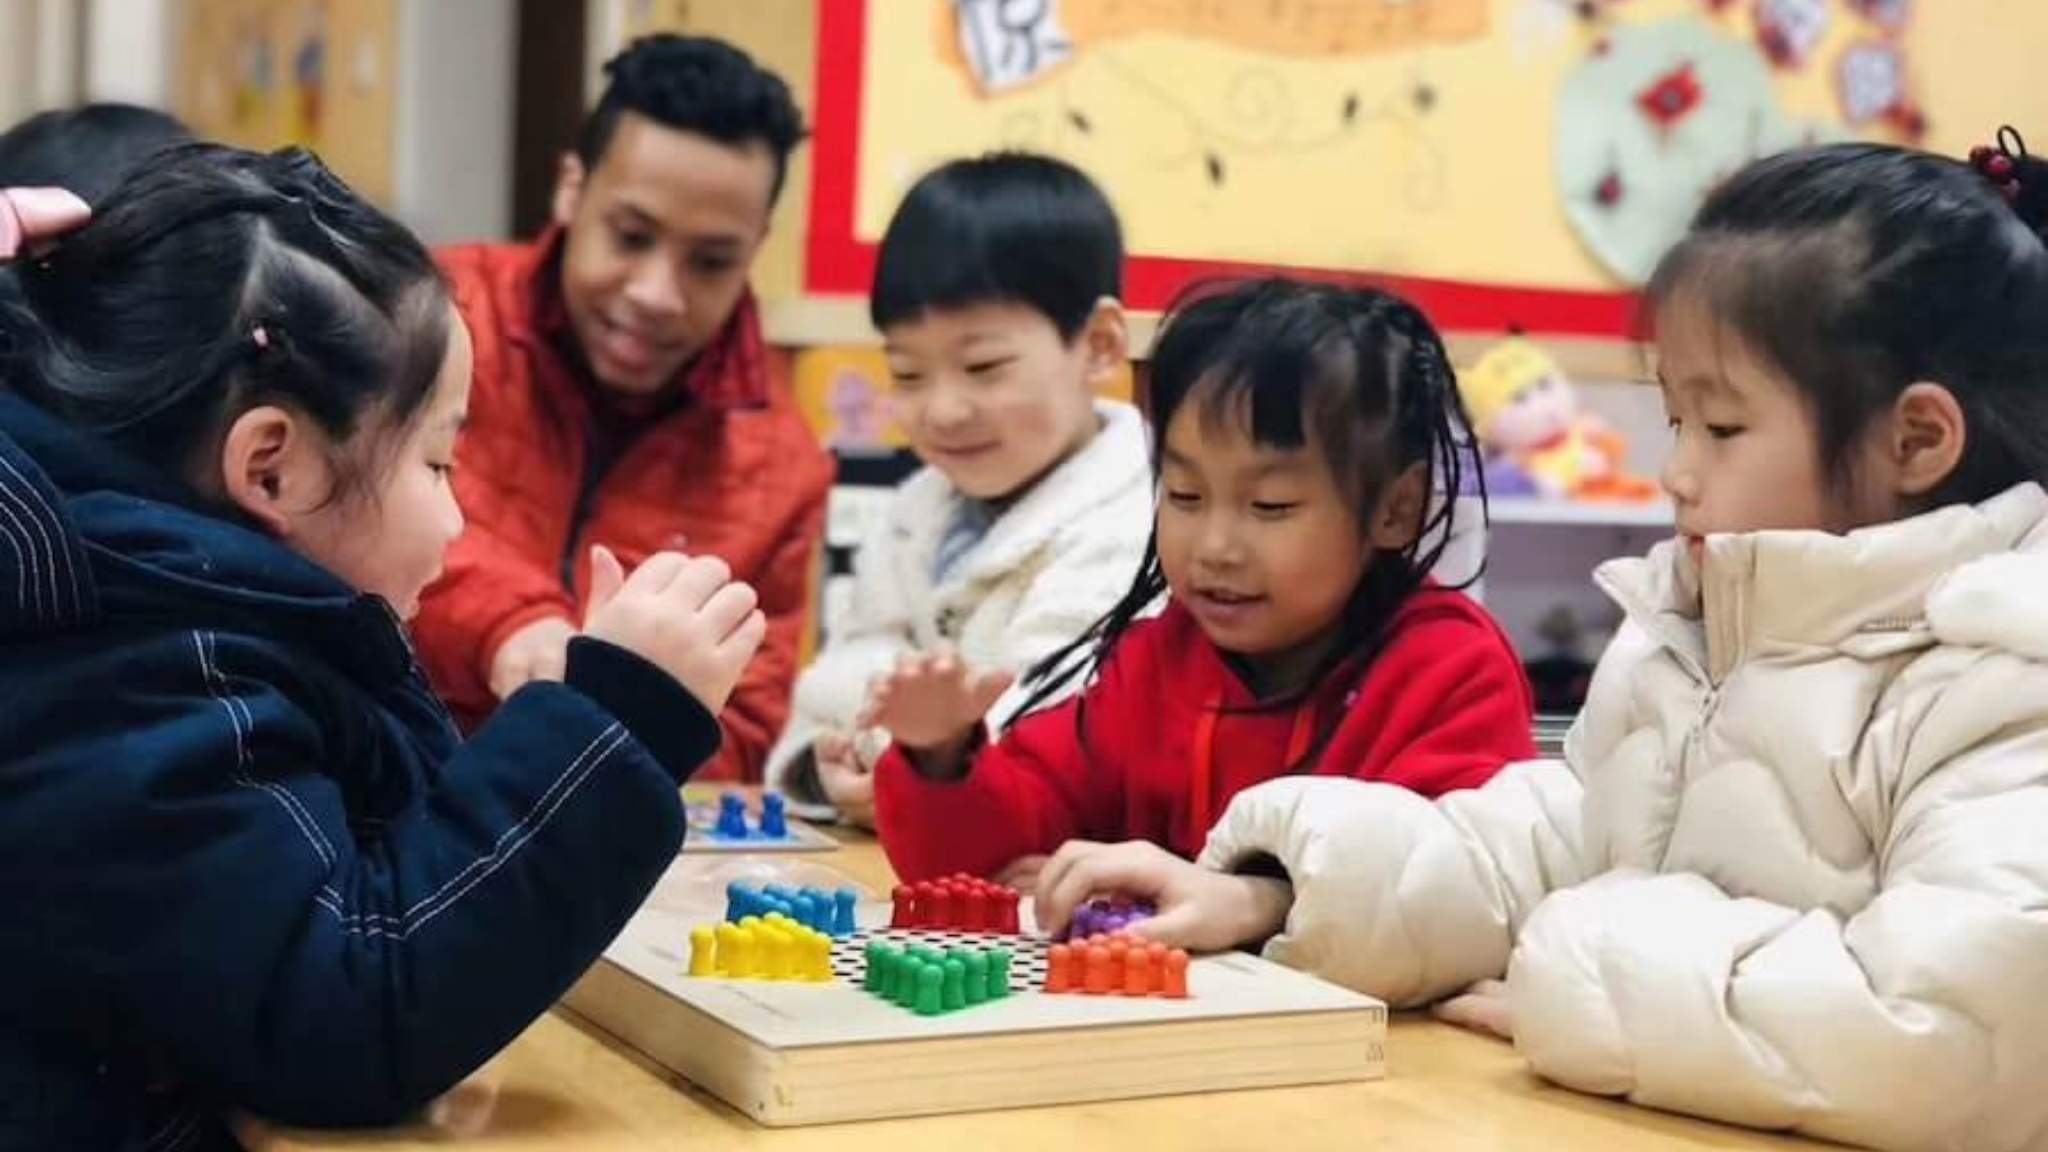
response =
{"points": [[565, 1086]]}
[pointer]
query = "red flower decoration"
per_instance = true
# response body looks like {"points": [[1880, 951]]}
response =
{"points": [[1672, 98]]}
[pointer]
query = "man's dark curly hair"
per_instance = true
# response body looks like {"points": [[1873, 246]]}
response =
{"points": [[695, 84]]}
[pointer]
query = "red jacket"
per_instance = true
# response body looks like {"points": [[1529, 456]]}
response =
{"points": [[1443, 707], [733, 471]]}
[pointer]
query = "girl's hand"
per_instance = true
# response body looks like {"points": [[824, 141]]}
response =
{"points": [[685, 615], [932, 705], [537, 651], [1198, 909], [30, 217], [849, 785], [1483, 1008], [1022, 873]]}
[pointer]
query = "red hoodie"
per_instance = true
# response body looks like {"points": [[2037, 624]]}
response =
{"points": [[1443, 707]]}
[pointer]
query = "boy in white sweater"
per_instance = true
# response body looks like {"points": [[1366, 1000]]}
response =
{"points": [[996, 292]]}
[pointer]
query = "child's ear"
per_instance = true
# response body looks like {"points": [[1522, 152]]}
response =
{"points": [[1397, 520], [1927, 438], [1106, 340], [271, 469], [569, 178]]}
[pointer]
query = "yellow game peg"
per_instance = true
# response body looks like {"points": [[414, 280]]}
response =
{"points": [[726, 935], [777, 952], [703, 952], [739, 954], [819, 951]]}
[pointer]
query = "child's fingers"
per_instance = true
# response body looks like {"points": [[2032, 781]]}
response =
{"points": [[1022, 873], [1174, 927], [1045, 900], [1486, 1012], [1097, 870], [989, 687], [607, 576], [29, 216]]}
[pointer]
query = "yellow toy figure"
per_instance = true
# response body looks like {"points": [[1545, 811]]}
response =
{"points": [[1528, 417]]}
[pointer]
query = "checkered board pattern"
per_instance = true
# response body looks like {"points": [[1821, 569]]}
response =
{"points": [[1027, 953]]}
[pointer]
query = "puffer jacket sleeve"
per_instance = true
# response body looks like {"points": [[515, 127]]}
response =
{"points": [[1400, 897], [876, 630], [1919, 1022], [1088, 570]]}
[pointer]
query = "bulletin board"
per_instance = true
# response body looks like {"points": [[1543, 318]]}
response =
{"points": [[319, 74], [1506, 163]]}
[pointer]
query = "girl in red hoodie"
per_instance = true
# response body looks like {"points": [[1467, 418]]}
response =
{"points": [[1308, 439]]}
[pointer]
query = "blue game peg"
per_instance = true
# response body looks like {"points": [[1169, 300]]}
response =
{"points": [[732, 816], [842, 918], [774, 822]]}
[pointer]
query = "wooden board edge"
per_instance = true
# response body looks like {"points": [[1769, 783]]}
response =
{"points": [[773, 1088]]}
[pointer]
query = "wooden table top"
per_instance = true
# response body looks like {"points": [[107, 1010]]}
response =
{"points": [[566, 1087]]}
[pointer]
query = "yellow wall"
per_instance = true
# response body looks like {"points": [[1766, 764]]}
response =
{"points": [[1462, 191], [1461, 188], [235, 80]]}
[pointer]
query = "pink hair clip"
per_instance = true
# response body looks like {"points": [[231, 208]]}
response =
{"points": [[261, 336]]}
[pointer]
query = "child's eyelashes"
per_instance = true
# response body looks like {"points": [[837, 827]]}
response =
{"points": [[981, 369], [1716, 431], [1274, 509], [1183, 499]]}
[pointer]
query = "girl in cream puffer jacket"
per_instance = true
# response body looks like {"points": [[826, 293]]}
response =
{"points": [[1794, 870]]}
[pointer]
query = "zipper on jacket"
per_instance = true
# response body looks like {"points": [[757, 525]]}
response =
{"points": [[594, 471]]}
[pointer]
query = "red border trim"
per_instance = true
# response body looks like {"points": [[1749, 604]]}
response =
{"points": [[840, 264]]}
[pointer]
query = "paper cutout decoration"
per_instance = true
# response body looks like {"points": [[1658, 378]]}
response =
{"points": [[1631, 173], [1890, 15], [1674, 96], [1790, 30], [1871, 81], [1006, 44]]}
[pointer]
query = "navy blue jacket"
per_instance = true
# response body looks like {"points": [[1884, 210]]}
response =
{"points": [[245, 859]]}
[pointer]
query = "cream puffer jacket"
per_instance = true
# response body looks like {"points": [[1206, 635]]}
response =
{"points": [[1046, 569], [1794, 870]]}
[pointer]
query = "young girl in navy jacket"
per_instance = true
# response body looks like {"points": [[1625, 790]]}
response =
{"points": [[250, 866]]}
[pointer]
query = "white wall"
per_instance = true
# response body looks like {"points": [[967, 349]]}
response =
{"points": [[128, 51], [455, 76], [38, 56], [456, 65]]}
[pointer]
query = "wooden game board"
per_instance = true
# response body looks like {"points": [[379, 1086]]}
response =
{"points": [[791, 1054]]}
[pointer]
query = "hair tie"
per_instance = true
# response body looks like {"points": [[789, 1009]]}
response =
{"points": [[261, 336], [2002, 164]]}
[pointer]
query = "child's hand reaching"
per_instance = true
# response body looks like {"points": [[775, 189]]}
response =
{"points": [[32, 217], [1199, 909], [931, 705], [847, 782], [1483, 1008]]}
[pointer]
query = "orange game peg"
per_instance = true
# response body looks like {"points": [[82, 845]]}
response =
{"points": [[1118, 951], [1175, 986], [1059, 972], [1097, 980], [1138, 979]]}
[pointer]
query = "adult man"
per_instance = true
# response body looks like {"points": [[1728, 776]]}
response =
{"points": [[622, 392]]}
